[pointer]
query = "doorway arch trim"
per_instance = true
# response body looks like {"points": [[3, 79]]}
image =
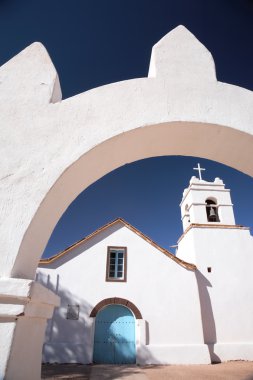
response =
{"points": [[116, 301]]}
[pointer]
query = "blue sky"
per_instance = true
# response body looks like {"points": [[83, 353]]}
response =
{"points": [[97, 42]]}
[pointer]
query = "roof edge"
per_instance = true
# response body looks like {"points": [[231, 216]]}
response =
{"points": [[183, 263]]}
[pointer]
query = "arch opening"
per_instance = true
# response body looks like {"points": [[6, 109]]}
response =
{"points": [[175, 138]]}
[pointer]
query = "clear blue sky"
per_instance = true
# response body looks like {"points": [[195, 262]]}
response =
{"points": [[97, 42]]}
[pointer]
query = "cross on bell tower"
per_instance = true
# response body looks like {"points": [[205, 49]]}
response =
{"points": [[199, 170]]}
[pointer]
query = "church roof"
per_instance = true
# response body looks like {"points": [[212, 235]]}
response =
{"points": [[132, 228]]}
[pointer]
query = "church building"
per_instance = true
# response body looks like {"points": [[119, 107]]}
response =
{"points": [[125, 299]]}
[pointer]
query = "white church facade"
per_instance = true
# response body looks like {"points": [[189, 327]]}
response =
{"points": [[125, 299]]}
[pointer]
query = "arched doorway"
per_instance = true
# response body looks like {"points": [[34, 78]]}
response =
{"points": [[114, 338]]}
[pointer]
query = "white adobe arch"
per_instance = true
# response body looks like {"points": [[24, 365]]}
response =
{"points": [[51, 150]]}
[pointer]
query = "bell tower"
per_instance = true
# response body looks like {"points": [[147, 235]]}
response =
{"points": [[208, 220], [206, 203], [222, 253]]}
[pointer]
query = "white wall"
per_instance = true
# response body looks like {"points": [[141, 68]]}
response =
{"points": [[46, 143], [179, 110], [226, 292], [165, 293]]}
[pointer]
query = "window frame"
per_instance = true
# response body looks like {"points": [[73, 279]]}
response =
{"points": [[115, 279]]}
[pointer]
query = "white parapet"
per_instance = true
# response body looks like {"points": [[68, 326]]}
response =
{"points": [[25, 307]]}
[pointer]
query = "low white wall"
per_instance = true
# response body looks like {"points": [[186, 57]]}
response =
{"points": [[173, 354]]}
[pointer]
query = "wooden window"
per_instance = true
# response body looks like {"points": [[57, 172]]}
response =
{"points": [[116, 267]]}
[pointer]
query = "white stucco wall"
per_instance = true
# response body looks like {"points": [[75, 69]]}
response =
{"points": [[25, 306], [165, 293], [223, 254], [226, 290], [46, 143], [181, 309]]}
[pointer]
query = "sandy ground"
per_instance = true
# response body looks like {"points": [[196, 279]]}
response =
{"points": [[239, 370]]}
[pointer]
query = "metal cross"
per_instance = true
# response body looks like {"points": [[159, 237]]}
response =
{"points": [[199, 170]]}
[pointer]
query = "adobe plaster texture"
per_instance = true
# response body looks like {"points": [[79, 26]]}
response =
{"points": [[187, 313], [154, 284], [25, 307], [222, 252], [193, 204], [46, 143]]}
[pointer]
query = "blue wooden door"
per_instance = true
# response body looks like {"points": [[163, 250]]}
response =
{"points": [[114, 340]]}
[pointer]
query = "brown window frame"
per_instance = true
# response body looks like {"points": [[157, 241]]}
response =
{"points": [[111, 279]]}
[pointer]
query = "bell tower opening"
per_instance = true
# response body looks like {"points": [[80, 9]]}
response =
{"points": [[206, 202], [212, 211]]}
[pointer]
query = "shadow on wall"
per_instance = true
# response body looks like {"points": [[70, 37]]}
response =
{"points": [[70, 340], [69, 334], [145, 357], [208, 322]]}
